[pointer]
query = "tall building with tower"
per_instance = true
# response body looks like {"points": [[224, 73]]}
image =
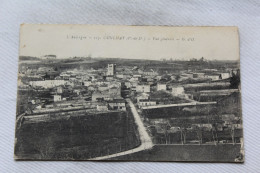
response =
{"points": [[111, 69]]}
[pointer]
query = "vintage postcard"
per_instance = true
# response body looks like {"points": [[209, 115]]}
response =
{"points": [[134, 93]]}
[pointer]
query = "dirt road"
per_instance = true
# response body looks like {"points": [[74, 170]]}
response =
{"points": [[146, 141]]}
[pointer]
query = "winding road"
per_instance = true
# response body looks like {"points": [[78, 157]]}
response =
{"points": [[146, 141]]}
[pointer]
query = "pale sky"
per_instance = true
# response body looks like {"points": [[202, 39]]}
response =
{"points": [[153, 42]]}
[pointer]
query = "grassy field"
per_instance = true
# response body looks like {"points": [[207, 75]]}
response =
{"points": [[200, 153], [78, 138]]}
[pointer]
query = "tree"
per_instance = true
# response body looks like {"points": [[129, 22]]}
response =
{"points": [[199, 134], [235, 80], [177, 77], [166, 134], [232, 133], [183, 128]]}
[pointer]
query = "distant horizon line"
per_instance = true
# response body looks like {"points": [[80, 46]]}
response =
{"points": [[161, 59]]}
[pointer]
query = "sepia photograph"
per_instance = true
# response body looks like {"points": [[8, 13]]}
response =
{"points": [[129, 93]]}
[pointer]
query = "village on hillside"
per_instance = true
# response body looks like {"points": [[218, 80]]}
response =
{"points": [[85, 108]]}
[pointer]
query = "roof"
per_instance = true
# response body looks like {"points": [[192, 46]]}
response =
{"points": [[149, 70], [143, 84], [113, 87], [117, 101], [146, 100], [161, 83], [103, 85], [100, 92], [212, 74], [142, 94], [228, 117], [94, 86], [219, 91], [102, 104], [177, 86]]}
